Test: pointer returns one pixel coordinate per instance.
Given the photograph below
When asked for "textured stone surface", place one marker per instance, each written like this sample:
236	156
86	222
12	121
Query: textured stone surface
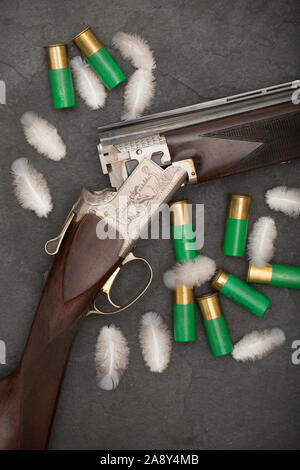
204	49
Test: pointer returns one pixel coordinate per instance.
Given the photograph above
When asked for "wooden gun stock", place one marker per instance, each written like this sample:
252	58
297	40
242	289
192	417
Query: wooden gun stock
29	395
240	142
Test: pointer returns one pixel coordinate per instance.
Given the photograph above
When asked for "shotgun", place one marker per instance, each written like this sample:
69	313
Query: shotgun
146	160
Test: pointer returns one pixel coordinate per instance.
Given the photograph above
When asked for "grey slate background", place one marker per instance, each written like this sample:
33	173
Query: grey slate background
204	49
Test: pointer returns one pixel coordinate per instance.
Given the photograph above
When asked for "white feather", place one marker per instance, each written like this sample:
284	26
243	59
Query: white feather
31	188
170	279
111	357
261	241
88	84
283	199
155	341
190	273
135	49
43	136
258	344
138	94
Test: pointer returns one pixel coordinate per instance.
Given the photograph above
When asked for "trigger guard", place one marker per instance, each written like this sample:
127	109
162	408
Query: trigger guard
129	258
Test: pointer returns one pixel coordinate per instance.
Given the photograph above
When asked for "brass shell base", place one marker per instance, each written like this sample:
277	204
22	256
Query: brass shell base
239	207
260	275
210	306
220	279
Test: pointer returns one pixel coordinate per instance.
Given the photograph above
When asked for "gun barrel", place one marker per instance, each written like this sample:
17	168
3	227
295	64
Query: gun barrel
161	123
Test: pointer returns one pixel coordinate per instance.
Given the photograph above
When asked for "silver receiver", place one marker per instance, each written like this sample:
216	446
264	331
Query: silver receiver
119	160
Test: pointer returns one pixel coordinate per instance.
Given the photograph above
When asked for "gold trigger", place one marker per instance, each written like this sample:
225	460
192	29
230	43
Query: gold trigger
108	285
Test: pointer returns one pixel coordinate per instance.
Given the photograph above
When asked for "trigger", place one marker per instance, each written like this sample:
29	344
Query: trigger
108	285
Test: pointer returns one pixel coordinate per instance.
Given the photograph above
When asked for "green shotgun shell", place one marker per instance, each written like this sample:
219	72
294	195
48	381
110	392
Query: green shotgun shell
184	315
184	311
241	293
236	225
215	325
275	275
99	58
60	77
182	231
